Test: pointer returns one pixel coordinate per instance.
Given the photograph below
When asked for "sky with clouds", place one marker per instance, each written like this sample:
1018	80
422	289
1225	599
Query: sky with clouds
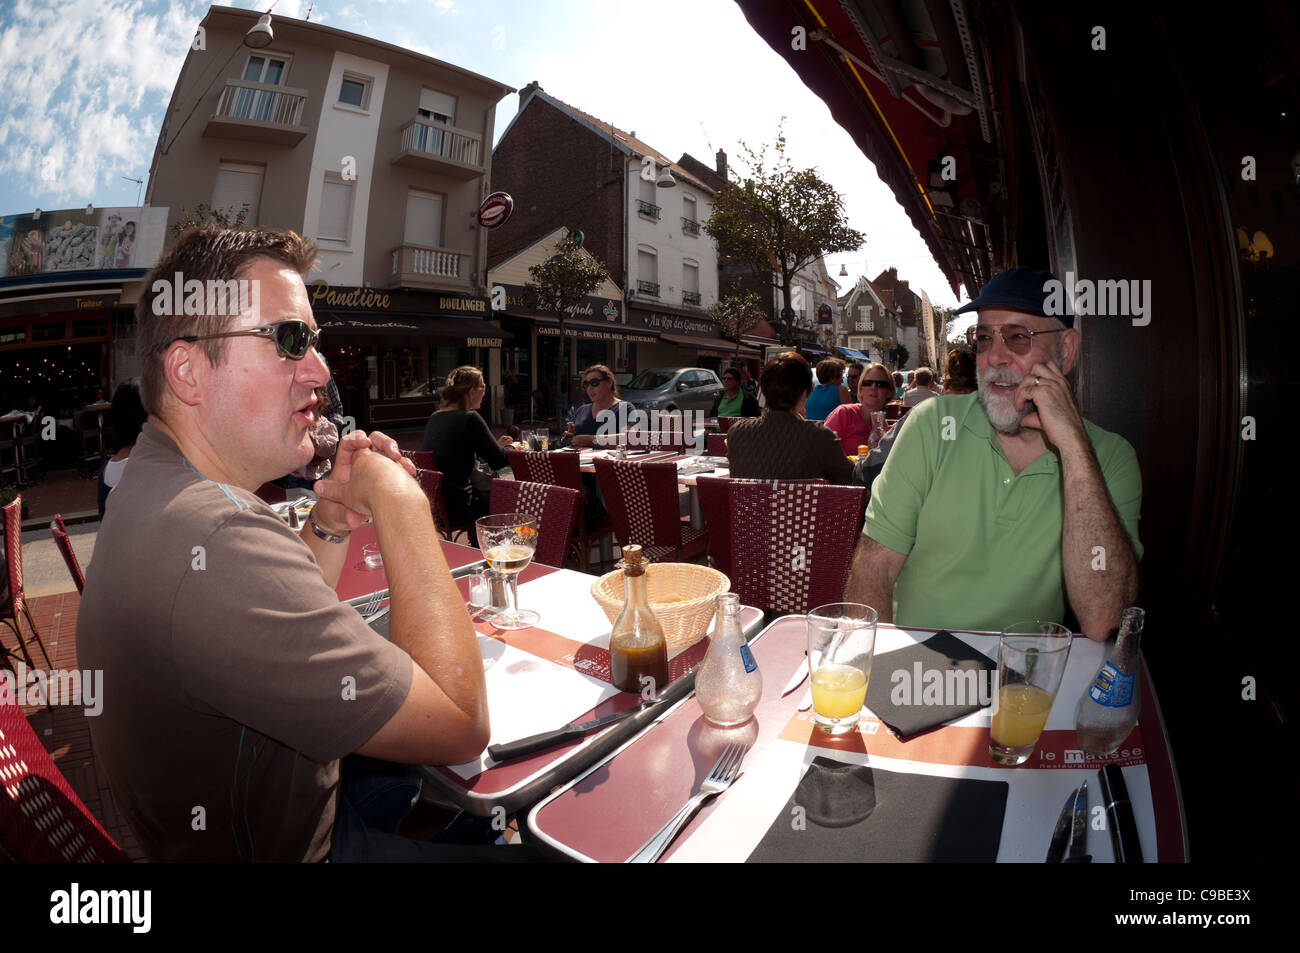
89	81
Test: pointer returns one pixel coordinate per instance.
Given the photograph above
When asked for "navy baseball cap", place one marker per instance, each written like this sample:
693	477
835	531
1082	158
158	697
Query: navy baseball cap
1024	289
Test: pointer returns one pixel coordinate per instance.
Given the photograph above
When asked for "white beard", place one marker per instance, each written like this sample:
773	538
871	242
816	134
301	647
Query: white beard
1001	410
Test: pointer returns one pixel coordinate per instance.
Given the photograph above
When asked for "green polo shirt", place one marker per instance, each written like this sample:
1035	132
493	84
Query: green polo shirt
983	544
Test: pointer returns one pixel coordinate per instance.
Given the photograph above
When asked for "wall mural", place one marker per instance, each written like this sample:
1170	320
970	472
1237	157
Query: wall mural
72	240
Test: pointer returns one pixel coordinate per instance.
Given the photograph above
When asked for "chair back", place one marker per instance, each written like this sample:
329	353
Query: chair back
60	534
13	517
715	504
41	819
556	510
431	483
270	493
423	459
642	501
717	445
553	467
724	423
803	536
893	410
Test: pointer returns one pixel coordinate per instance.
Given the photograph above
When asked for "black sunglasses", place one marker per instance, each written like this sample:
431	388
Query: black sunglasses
292	338
881	384
594	382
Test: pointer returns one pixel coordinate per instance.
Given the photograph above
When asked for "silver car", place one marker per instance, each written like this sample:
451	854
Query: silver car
673	388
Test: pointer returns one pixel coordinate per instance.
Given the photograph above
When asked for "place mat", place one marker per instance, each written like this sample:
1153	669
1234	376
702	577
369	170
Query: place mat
856	813
910	689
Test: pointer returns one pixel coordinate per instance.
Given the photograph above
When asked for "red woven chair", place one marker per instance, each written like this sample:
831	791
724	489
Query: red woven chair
560	468
431	483
270	493
423	459
715	503
642	501
717	445
555	507
60	534
800	539
41	819
724	423
15	602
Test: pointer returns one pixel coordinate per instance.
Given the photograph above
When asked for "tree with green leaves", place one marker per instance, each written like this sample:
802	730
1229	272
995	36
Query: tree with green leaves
901	354
779	221
736	314
560	283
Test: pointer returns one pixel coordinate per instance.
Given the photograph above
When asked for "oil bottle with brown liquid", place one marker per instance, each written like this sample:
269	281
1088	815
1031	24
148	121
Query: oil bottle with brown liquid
638	651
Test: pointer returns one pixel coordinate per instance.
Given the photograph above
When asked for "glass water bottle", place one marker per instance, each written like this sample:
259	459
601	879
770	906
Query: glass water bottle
728	684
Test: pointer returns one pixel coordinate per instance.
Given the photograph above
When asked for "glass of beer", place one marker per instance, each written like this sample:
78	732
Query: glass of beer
1031	661
508	541
841	645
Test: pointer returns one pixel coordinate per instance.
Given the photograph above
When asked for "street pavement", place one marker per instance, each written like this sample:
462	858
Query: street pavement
44	571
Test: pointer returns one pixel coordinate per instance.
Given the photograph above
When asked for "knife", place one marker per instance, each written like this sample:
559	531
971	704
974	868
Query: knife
1071	834
1119	814
797	678
549	739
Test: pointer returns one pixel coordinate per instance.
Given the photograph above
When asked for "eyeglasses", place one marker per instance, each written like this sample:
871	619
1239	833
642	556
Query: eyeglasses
594	382
292	338
883	385
1017	338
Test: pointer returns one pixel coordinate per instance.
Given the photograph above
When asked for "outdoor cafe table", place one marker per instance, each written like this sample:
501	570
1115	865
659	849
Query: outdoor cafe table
358	579
607	813
685	475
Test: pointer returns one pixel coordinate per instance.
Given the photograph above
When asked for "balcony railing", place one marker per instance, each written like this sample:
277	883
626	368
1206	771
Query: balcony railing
647	208
440	148
690	226
426	265
261	111
690	297
648	287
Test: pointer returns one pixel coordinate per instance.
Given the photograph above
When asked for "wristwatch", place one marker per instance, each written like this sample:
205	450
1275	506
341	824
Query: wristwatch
321	534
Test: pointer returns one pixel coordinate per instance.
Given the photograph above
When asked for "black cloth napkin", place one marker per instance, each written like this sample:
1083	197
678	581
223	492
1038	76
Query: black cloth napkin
942	652
855	813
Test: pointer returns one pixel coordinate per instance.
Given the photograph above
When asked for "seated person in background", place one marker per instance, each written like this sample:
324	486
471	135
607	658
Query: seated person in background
128	417
852	377
606	414
852	422
959	372
922	391
242	680
898	384
459	437
782	445
991	507
734	402
829	392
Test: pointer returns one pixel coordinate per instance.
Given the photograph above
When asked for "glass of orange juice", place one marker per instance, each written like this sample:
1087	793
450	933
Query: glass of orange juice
841	645
1031	661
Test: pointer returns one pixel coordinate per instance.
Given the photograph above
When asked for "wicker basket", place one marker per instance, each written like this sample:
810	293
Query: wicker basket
685	620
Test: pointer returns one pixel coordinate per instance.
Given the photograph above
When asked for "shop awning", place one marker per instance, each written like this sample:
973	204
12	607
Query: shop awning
407	330
589	331
708	344
853	355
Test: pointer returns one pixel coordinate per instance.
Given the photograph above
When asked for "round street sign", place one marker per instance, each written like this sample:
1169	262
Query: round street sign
495	210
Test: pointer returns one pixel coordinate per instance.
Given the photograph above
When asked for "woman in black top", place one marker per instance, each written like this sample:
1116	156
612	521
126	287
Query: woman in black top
458	436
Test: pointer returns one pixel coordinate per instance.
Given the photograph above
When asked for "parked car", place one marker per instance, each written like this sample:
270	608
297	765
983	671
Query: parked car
673	388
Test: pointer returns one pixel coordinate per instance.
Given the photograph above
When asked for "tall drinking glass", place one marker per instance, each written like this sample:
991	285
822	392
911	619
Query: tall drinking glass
841	645
508	541
1031	661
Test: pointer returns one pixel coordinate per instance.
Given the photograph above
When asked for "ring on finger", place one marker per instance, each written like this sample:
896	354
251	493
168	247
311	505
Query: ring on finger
1038	381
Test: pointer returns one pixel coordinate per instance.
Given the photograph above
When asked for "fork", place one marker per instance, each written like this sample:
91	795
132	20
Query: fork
371	605
724	772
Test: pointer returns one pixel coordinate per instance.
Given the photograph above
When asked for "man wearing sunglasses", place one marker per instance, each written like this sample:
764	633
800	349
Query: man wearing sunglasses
236	680
1005	504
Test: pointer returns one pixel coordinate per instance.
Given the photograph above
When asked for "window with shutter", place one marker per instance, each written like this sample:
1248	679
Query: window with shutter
335	210
238	185
423	219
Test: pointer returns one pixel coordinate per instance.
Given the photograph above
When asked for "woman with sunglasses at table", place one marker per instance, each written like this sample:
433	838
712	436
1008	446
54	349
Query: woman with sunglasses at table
605	409
852	422
458	437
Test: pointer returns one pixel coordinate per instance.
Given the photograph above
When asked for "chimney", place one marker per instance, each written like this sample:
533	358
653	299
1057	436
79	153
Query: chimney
533	87
720	163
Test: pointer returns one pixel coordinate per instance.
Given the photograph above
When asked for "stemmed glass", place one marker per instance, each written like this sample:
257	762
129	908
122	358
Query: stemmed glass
507	541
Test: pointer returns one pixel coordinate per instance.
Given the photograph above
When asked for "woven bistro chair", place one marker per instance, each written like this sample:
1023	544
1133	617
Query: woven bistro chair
715	504
423	459
61	540
717	445
16	602
562	468
799	542
644	508
431	483
41	819
555	508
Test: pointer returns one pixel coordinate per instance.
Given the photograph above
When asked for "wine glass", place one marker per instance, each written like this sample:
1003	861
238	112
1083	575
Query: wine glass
508	541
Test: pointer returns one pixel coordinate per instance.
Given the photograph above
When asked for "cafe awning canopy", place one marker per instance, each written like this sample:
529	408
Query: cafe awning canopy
407	330
707	344
907	80
854	355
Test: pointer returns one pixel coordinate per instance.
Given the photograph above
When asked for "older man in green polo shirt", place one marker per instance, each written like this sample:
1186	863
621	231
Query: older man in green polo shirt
999	506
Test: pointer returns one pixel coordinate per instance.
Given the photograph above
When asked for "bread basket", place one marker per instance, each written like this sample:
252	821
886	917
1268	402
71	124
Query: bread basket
682	597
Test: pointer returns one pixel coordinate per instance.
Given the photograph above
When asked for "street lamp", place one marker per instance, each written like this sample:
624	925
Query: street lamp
260	36
665	180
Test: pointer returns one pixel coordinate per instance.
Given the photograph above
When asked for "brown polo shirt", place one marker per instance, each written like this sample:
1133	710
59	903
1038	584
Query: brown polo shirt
233	678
